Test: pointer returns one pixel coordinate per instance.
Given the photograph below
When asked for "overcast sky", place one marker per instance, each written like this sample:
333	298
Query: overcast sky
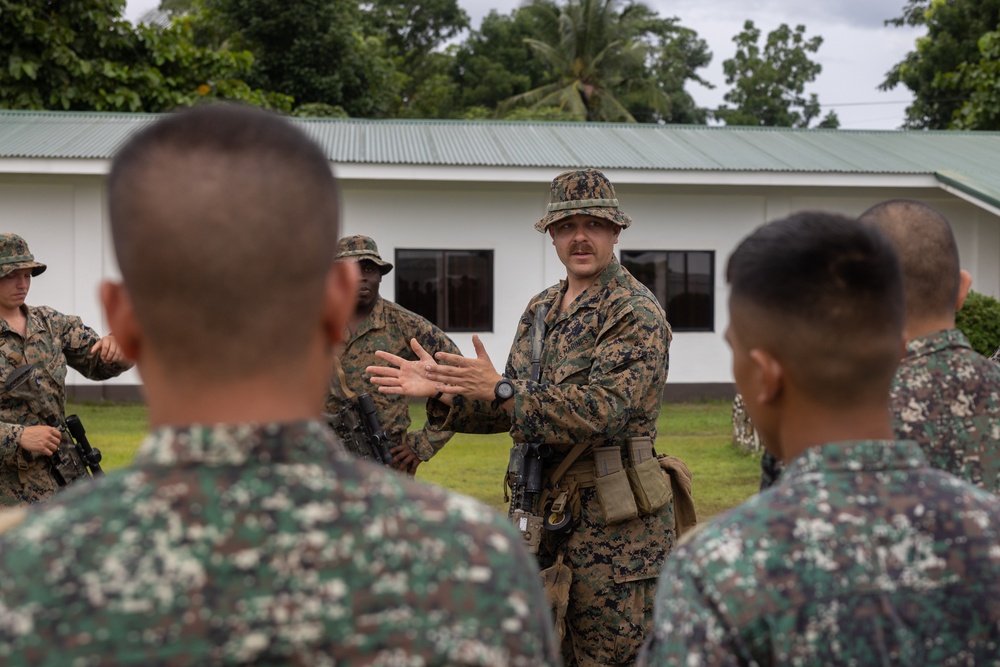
857	49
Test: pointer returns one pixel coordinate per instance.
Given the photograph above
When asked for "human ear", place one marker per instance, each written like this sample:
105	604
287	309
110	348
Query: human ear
964	285
121	318
769	375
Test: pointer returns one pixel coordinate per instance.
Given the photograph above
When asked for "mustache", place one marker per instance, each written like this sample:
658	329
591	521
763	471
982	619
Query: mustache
581	247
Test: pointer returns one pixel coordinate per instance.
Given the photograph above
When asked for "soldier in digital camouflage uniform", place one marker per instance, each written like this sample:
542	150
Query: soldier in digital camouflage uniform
603	369
946	396
244	534
862	553
48	340
379	324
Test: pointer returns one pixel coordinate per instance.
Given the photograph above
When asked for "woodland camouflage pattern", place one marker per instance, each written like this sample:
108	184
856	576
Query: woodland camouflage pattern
603	369
861	554
390	327
582	192
946	396
267	544
53	341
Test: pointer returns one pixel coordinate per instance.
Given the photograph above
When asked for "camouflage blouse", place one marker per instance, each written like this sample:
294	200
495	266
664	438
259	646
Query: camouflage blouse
268	545
603	367
860	554
946	396
390	327
53	341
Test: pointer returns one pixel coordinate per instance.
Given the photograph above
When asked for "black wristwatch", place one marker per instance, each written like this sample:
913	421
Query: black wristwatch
503	392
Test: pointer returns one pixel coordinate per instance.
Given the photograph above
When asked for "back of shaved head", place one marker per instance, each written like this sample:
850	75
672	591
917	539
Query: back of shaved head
225	223
927	254
823	293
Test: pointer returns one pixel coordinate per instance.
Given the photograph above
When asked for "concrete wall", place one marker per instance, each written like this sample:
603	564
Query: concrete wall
63	219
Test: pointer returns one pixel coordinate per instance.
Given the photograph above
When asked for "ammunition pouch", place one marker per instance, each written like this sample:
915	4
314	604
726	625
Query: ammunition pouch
649	483
613	489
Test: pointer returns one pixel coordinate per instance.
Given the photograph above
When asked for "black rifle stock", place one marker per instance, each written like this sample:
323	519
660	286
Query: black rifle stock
356	423
74	456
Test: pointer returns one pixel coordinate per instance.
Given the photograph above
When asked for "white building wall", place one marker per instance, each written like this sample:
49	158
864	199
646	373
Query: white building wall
63	218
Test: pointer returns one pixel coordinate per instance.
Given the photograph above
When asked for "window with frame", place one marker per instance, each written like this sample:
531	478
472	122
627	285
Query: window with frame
683	282
451	288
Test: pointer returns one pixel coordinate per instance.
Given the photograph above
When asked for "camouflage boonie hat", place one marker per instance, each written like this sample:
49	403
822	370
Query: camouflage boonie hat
359	248
14	255
583	192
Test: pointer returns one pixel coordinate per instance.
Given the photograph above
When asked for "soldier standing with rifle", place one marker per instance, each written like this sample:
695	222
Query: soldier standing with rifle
379	324
37	457
580	396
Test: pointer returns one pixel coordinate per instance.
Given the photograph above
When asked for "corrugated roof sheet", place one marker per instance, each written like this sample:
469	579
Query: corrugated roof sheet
968	160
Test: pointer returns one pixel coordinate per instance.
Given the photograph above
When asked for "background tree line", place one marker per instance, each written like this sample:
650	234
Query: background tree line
569	60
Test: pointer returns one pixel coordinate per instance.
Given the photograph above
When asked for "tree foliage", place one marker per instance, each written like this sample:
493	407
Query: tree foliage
769	82
979	319
604	63
952	71
82	55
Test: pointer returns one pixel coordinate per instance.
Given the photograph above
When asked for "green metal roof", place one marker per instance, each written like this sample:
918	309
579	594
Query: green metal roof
967	161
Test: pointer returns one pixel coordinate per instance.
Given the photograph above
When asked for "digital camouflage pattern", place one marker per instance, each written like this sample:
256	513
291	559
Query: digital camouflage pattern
996	356
361	247
946	396
267	545
582	192
53	341
862	554
390	327
603	368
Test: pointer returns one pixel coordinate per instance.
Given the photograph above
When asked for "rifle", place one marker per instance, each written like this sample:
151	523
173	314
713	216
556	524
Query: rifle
75	456
524	471
358	427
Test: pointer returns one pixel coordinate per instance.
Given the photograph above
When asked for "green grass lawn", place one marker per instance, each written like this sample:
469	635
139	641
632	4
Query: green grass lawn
698	433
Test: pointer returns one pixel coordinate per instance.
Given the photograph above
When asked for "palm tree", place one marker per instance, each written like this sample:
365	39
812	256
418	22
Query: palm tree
595	54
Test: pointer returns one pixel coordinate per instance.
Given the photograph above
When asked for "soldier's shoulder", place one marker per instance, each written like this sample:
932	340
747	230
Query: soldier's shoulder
396	314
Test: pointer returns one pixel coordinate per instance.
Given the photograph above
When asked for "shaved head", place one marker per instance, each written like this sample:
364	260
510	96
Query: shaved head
927	254
225	223
823	294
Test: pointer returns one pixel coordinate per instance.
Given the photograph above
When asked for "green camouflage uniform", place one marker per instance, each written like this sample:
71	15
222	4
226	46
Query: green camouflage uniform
862	554
770	470
390	327
996	356
53	341
946	396
267	545
602	374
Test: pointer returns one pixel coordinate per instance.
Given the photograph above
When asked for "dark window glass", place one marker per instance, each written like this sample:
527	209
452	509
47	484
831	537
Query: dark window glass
682	280
451	288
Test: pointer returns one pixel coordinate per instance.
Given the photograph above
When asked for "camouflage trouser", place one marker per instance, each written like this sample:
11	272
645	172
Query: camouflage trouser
38	482
744	435
615	569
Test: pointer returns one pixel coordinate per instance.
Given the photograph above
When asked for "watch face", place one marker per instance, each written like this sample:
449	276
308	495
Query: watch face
504	390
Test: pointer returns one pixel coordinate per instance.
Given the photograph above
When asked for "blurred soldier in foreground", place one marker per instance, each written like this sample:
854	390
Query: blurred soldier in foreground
378	324
48	341
580	396
862	553
243	533
946	396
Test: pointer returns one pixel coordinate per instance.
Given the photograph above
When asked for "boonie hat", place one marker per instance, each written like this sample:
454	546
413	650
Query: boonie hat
14	255
582	192
359	248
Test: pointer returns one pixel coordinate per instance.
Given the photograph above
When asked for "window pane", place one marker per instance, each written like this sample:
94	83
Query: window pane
417	278
683	282
451	288
470	290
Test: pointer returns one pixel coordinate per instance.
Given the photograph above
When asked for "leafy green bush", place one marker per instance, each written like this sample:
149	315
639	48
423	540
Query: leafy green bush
979	319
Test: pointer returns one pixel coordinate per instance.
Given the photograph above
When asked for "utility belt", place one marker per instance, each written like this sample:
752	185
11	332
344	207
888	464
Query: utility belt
629	484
